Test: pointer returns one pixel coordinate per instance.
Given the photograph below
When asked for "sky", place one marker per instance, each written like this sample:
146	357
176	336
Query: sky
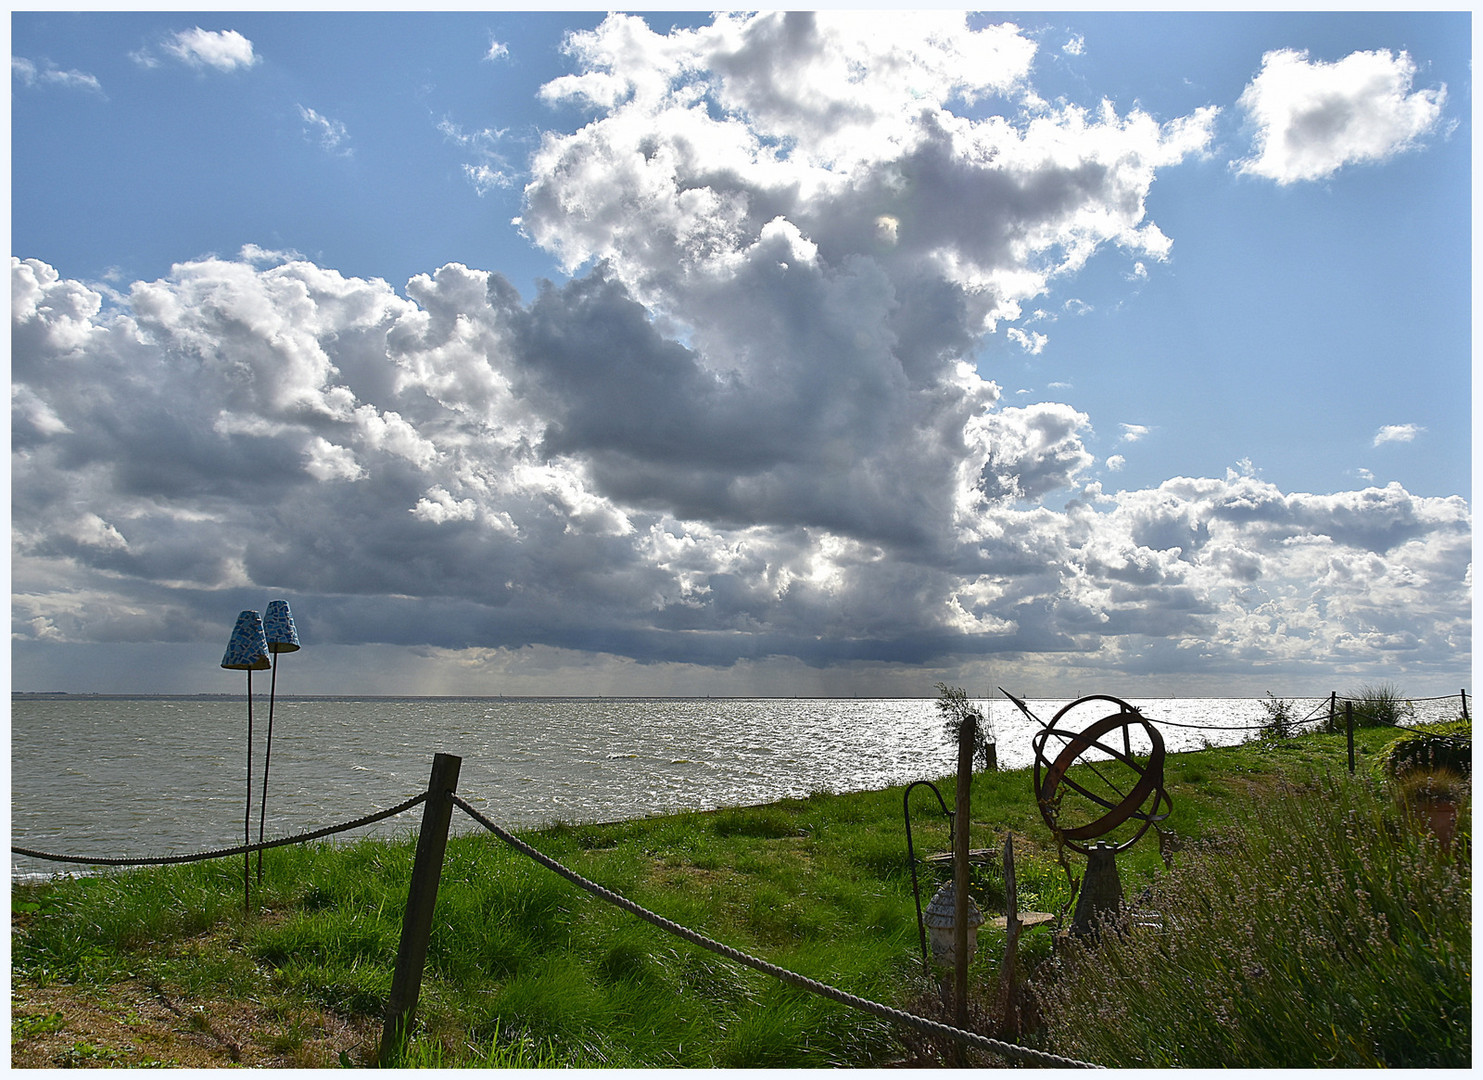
833	353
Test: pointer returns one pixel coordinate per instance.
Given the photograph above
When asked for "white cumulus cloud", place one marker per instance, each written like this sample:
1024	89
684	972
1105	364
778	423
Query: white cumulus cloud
1133	432
224	50
751	425
1397	433
1312	118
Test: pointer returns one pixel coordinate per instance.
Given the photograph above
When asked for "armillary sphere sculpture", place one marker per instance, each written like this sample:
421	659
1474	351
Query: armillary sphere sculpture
1125	794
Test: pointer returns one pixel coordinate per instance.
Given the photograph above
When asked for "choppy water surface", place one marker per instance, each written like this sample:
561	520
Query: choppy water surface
144	777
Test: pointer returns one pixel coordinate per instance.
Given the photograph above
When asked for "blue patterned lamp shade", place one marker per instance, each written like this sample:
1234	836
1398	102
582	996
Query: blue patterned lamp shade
248	649
282	635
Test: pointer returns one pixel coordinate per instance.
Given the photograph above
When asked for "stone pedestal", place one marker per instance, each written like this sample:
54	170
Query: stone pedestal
1101	891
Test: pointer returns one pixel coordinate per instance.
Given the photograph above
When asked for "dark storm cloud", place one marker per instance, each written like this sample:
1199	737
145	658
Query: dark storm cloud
750	426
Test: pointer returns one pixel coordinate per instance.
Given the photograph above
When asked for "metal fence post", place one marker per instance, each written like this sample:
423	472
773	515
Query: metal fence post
422	895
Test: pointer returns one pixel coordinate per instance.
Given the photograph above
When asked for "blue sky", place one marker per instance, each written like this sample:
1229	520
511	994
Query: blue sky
869	357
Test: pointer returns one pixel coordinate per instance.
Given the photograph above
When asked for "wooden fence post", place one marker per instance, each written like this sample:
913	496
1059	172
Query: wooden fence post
1465	704
1349	727
422	895
960	876
1009	1005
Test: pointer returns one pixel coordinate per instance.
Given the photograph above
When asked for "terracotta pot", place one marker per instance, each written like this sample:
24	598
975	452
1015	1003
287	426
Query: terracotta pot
1439	816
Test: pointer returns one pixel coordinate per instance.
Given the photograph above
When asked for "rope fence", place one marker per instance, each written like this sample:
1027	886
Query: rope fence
223	853
440	798
873	1008
793	978
1314	714
1319	712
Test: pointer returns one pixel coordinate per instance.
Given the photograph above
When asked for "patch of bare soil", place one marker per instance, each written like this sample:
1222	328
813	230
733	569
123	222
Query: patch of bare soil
132	1026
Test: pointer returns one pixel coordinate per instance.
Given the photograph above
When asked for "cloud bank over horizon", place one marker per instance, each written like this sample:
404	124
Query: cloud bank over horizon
756	424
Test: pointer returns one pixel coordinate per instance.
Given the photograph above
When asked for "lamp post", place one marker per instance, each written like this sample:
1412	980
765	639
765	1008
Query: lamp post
282	636
247	650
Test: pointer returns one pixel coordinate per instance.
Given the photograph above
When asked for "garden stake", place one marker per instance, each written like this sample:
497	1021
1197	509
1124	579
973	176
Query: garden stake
282	636
247	650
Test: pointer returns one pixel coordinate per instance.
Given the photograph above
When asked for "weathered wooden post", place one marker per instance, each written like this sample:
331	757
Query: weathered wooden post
1008	976
1333	710
960	872
1465	704
422	896
1349	728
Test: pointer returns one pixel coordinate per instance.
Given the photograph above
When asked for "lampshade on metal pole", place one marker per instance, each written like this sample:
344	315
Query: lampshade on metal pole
247	651
282	636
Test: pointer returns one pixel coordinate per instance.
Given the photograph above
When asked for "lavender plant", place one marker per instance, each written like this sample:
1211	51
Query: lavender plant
1333	932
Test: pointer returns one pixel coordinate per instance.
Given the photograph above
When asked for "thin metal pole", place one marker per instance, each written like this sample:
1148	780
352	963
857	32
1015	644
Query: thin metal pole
267	761
247	816
911	858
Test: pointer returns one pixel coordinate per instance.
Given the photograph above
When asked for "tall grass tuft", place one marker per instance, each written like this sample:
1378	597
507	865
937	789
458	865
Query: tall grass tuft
1333	932
1380	705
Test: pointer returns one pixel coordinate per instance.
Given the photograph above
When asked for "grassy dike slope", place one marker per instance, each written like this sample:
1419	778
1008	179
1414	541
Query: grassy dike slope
160	967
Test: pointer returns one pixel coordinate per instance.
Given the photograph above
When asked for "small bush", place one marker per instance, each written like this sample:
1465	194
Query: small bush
1446	746
1280	721
956	710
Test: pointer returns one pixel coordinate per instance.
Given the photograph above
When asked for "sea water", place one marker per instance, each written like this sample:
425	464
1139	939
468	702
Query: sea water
142	777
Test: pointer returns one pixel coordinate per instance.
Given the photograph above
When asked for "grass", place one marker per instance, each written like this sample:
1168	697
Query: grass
1380	705
524	970
1330	933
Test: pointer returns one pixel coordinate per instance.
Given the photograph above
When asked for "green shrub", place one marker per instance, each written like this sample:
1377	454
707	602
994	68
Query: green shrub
1446	746
1333	933
1281	724
956	710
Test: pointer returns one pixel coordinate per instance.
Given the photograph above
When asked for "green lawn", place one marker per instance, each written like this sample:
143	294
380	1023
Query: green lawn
526	969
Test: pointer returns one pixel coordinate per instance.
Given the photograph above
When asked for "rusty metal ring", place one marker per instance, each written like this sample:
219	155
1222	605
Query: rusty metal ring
1050	776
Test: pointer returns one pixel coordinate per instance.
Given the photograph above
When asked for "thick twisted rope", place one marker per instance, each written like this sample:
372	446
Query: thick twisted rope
875	1008
222	853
